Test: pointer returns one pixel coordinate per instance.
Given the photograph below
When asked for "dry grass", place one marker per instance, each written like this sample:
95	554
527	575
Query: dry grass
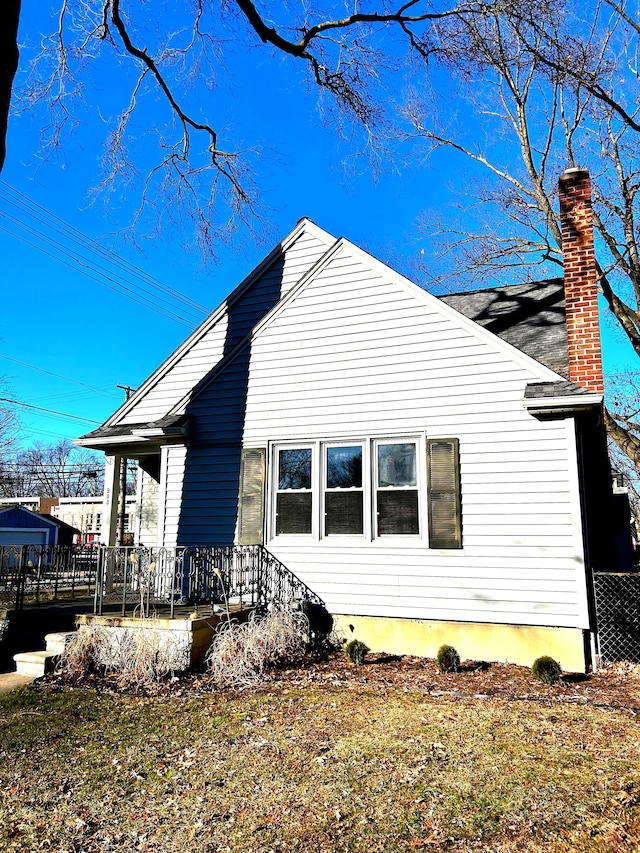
241	652
138	659
316	767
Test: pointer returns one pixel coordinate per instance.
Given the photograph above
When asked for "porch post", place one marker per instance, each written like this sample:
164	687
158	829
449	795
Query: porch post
108	529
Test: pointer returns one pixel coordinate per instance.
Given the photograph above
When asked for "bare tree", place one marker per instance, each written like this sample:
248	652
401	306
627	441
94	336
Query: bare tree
537	89
9	16
57	470
201	181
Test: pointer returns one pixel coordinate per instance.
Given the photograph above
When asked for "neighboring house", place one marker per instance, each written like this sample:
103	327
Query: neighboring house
35	503
85	513
22	526
433	468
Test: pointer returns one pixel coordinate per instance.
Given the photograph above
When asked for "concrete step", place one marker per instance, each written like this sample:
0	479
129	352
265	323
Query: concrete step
35	664
57	642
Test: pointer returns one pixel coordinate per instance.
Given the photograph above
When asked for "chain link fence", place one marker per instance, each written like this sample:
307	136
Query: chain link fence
618	609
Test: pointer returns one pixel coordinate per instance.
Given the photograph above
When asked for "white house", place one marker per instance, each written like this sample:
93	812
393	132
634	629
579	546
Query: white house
428	466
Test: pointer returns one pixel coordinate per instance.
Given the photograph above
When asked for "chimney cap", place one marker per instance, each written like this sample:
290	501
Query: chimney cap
572	171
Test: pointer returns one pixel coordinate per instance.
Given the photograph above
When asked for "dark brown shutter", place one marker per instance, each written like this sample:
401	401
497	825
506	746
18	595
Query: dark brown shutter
251	514
443	467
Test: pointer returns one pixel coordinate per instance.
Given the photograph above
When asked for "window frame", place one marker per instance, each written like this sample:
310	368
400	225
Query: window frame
416	441
276	490
362	489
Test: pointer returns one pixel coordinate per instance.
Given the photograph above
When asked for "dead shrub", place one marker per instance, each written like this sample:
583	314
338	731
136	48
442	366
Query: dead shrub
241	652
134	658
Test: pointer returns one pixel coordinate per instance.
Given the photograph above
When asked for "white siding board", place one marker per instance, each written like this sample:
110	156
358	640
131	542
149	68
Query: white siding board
207	350
354	356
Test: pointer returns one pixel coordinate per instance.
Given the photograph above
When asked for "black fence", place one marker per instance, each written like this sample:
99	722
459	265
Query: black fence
618	610
35	572
140	581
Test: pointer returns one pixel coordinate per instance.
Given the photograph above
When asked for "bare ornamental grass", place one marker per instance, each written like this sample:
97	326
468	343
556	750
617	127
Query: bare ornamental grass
136	658
241	653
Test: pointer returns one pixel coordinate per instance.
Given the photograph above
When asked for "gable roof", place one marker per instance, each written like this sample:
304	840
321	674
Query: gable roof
529	316
291	258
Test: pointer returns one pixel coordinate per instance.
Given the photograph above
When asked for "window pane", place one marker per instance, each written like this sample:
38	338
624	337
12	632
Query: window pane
396	465
398	513
295	469
343	513
293	512
344	467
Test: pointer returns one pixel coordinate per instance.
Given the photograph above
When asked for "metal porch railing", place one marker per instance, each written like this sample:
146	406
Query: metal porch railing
139	580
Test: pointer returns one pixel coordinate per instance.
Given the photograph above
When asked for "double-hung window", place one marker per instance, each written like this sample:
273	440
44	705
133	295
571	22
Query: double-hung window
343	495
370	488
397	489
294	491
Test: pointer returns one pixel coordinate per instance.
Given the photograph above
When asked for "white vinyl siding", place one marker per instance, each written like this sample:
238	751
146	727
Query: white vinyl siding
355	355
211	342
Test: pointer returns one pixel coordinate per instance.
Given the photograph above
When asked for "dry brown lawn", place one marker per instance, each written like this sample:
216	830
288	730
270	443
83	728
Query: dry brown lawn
389	756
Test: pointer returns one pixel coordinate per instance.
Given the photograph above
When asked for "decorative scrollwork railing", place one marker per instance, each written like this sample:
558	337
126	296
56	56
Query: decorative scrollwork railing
140	580
31	572
143	579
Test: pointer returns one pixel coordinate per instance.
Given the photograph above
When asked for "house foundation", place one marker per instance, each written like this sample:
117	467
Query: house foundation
519	644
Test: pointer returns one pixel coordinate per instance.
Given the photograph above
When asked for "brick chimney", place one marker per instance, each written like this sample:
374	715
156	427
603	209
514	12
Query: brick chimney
580	280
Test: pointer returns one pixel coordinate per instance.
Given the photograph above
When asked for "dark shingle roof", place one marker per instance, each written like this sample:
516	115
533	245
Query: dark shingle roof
166	423
529	316
546	390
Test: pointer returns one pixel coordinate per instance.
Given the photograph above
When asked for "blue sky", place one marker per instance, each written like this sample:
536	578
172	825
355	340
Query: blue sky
56	319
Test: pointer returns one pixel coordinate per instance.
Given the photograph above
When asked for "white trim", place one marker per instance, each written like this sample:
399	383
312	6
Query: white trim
369	537
162	494
560	405
576	524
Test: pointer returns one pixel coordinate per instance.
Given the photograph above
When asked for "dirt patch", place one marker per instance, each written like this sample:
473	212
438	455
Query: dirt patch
616	686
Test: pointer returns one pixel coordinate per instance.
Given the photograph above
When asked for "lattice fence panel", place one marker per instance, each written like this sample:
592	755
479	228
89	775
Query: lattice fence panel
618	608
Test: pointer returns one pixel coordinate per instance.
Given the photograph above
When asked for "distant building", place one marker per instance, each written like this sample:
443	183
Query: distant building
85	513
34	503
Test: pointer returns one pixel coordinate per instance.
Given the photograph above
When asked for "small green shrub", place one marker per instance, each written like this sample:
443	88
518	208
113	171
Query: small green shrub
546	669
356	651
448	659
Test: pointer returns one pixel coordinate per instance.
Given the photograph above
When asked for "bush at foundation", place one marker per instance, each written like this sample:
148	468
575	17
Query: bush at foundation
448	659
546	669
356	651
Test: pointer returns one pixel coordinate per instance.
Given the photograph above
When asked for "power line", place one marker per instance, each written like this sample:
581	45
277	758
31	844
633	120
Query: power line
49	411
57	375
146	293
45	216
158	310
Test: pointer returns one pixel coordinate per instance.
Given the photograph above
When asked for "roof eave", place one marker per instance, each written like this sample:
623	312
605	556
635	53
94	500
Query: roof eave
568	405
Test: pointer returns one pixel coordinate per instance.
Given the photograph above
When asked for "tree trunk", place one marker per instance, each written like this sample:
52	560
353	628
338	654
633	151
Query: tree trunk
626	441
9	17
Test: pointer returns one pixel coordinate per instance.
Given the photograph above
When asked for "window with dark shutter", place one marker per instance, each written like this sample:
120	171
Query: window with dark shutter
250	523
443	471
397	510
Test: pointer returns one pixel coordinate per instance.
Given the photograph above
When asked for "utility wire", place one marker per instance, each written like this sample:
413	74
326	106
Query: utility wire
58	376
46	217
158	309
49	411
